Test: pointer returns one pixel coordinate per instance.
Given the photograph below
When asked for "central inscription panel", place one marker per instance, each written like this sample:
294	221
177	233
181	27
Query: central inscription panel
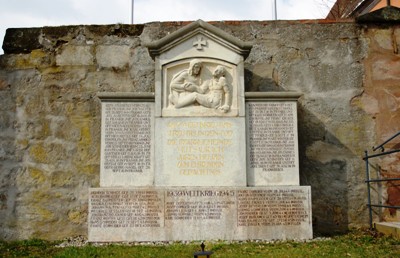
200	152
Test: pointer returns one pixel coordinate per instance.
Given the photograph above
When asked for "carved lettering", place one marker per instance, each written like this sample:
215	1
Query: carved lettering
198	204
123	209
157	209
200	146
272	208
272	136
127	140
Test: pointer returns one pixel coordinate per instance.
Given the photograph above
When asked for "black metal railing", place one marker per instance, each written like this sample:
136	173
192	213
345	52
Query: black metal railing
378	180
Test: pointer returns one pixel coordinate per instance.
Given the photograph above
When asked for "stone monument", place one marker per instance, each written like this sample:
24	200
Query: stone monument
200	159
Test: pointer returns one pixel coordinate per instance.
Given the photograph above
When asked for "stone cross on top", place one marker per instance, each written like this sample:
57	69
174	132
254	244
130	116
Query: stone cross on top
199	43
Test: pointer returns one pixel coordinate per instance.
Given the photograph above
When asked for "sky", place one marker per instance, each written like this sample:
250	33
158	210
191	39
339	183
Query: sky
39	13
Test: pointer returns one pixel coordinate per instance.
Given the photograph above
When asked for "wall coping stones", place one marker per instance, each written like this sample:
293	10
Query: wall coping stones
24	40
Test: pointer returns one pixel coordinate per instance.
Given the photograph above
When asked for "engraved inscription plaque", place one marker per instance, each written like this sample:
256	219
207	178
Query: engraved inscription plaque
126	209
198	204
273	207
127	143
272	156
192	213
200	152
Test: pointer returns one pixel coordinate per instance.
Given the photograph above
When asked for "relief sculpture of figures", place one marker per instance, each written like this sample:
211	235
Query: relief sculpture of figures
213	93
185	82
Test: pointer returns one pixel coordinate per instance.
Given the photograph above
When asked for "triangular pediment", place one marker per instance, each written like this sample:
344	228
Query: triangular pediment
198	30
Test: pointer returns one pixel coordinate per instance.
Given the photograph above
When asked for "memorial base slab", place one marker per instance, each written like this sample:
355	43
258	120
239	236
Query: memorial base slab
199	213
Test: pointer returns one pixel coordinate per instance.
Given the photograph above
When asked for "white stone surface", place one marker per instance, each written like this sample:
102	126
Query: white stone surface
208	151
214	51
204	77
206	213
215	47
272	143
127	144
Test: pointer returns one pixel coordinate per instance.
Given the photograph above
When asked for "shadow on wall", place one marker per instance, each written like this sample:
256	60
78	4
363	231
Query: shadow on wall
324	165
326	173
256	83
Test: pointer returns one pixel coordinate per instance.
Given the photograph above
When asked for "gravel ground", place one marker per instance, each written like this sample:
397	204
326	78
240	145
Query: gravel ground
80	241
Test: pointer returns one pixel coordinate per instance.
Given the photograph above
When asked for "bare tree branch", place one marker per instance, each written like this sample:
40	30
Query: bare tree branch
339	9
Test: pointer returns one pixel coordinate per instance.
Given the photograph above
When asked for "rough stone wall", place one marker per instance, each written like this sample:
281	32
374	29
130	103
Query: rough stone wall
50	116
381	101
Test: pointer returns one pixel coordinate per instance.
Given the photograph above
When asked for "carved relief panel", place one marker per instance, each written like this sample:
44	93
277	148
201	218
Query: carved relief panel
199	87
199	72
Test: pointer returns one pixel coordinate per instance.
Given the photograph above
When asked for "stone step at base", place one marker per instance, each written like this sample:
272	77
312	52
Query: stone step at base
388	228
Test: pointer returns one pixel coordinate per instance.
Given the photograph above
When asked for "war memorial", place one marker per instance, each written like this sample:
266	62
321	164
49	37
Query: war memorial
169	131
202	160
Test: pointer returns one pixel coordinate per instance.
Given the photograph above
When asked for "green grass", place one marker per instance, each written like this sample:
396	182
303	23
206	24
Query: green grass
354	244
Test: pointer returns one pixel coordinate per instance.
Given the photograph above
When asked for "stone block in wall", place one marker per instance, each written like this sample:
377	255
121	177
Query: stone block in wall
383	39
386	68
75	55
17	40
113	56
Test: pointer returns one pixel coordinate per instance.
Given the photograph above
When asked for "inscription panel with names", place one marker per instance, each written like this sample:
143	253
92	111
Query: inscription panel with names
126	209
199	213
273	207
127	144
272	142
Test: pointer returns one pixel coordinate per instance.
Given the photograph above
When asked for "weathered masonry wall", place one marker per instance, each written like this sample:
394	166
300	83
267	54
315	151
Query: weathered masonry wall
381	101
50	114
